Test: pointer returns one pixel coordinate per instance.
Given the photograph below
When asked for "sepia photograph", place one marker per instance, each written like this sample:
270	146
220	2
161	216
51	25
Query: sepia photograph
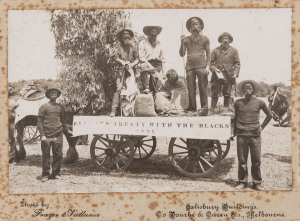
149	100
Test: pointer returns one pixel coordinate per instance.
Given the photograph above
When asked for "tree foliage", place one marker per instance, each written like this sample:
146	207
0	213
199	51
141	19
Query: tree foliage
82	88
84	43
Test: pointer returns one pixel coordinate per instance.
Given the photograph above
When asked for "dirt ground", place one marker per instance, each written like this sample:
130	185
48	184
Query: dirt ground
155	174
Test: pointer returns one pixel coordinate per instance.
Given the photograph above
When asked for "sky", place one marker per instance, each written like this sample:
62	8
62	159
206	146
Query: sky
261	36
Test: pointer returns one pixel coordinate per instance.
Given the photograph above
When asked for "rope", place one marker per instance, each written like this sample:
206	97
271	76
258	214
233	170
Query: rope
184	73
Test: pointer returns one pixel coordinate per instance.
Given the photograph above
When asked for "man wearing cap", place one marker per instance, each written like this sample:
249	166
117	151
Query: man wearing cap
127	57
152	59
225	63
198	60
248	131
51	125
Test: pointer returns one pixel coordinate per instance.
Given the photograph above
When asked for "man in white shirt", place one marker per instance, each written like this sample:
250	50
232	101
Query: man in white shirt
152	59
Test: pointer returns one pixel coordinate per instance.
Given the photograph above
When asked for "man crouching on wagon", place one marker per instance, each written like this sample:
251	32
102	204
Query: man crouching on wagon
248	132
51	125
127	57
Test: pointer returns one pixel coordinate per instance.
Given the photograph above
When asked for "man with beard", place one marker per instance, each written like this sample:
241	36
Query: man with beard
127	57
152	60
225	63
198	60
248	130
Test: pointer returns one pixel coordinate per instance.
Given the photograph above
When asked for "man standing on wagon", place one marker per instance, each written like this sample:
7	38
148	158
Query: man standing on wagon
225	63
126	55
248	131
152	59
51	125
198	61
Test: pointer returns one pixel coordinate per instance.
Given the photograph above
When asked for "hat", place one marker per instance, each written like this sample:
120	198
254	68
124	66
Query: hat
225	34
119	34
52	89
146	29
254	84
188	23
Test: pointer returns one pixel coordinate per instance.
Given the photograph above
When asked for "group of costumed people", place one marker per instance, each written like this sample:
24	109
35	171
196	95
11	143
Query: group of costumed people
146	63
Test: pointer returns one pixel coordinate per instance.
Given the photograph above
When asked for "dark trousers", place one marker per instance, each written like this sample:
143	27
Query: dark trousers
116	98
202	84
57	144
147	79
218	86
244	144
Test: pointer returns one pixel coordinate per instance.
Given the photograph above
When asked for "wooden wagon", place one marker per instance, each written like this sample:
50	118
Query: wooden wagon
196	149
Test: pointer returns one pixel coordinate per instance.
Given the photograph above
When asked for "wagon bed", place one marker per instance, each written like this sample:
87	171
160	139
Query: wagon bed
192	157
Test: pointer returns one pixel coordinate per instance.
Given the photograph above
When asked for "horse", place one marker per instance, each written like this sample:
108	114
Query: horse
280	105
19	118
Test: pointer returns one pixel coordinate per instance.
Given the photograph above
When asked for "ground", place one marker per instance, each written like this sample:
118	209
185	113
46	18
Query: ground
155	174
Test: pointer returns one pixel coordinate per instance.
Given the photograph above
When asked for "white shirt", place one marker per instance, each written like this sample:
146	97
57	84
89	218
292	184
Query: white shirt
147	52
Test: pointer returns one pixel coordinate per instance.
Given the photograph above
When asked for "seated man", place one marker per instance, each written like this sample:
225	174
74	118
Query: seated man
170	91
127	57
152	60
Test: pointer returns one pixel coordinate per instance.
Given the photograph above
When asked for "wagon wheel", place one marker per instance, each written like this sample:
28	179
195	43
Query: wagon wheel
144	146
195	158
31	133
112	152
225	148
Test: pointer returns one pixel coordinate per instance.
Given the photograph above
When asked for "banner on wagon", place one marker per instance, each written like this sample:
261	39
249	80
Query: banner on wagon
208	127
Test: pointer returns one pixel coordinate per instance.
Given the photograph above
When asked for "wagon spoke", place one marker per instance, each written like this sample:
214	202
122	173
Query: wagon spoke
146	145
194	167
100	155
182	159
103	138
147	140
100	139
140	152
216	153
183	140
182	147
103	161
208	163
186	165
100	148
108	140
110	161
144	149
180	153
201	167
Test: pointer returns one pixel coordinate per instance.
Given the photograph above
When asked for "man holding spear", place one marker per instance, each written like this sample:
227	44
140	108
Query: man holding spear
197	47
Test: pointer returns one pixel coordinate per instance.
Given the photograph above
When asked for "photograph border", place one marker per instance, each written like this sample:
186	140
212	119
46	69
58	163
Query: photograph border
145	206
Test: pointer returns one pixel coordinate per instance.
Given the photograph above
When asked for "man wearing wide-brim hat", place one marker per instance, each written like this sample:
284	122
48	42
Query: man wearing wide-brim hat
127	58
248	131
225	68
152	60
197	47
51	125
